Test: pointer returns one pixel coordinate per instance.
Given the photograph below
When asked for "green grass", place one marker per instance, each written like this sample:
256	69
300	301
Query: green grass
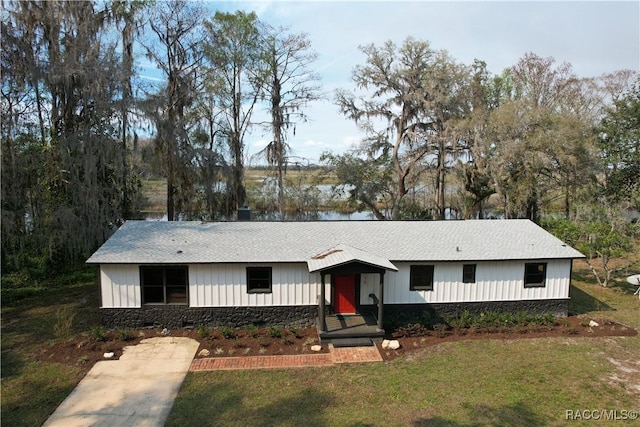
524	382
32	390
478	382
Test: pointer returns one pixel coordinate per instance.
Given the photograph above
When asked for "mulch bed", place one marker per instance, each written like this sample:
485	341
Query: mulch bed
568	327
84	350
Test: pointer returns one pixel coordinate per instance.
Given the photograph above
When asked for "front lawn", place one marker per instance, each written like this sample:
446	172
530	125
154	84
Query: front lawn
476	382
473	382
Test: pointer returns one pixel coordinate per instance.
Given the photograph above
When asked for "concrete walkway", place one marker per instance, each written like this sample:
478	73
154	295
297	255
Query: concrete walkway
136	390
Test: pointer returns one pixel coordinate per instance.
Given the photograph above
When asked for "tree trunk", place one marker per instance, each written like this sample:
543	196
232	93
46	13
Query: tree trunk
440	181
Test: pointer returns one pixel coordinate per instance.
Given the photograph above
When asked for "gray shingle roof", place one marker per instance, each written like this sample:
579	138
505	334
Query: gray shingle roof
151	242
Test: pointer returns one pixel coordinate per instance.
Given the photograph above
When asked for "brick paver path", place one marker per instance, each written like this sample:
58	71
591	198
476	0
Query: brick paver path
355	354
335	356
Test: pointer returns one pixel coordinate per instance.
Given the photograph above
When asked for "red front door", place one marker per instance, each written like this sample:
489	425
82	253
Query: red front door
345	294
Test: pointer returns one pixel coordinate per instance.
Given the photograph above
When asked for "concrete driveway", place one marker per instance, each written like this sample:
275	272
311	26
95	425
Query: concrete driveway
136	390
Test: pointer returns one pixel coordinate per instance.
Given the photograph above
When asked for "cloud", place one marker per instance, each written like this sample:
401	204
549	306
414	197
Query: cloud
313	143
153	79
351	141
260	144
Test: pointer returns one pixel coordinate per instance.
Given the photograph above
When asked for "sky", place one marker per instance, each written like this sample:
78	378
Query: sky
595	37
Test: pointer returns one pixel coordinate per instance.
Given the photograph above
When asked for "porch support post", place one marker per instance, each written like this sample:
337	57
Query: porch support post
321	319
381	301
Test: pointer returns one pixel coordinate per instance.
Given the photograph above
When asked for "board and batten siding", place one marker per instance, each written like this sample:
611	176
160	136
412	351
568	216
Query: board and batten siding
218	285
225	285
120	286
495	281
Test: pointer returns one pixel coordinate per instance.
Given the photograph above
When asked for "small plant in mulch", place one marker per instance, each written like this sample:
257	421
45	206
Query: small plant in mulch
275	332
252	330
310	341
239	344
263	342
287	341
441	329
203	331
99	333
227	332
458	327
124	334
218	351
570	330
411	330
295	332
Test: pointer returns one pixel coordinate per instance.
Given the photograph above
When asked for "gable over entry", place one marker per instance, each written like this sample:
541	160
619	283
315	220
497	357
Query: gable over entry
346	260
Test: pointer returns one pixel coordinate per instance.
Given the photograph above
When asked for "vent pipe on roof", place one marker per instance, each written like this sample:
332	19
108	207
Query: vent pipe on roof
244	213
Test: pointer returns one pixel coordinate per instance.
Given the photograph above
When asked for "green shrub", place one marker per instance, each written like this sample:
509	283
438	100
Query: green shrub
491	320
252	330
275	332
465	320
124	334
227	332
295	332
99	333
548	319
203	331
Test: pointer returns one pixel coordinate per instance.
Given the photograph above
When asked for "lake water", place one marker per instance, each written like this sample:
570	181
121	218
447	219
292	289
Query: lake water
321	216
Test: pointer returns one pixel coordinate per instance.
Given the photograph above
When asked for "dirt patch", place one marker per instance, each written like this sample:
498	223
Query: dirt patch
84	350
627	374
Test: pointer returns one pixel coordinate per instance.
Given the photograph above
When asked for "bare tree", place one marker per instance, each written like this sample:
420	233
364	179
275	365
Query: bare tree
290	86
177	52
236	66
128	16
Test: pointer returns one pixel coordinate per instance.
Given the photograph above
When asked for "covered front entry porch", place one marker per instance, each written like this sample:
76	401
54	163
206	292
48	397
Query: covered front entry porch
354	326
344	264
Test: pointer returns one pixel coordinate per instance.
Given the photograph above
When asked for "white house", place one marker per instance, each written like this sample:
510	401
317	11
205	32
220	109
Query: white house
292	273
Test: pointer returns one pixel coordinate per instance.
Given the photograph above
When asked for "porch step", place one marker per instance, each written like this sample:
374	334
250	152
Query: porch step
352	342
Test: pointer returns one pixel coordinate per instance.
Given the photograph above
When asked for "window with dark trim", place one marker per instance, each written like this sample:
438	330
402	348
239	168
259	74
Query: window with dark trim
535	274
259	280
421	278
164	285
468	273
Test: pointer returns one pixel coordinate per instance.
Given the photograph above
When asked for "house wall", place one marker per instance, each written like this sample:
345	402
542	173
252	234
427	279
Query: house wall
120	286
495	281
218	285
225	285
218	295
